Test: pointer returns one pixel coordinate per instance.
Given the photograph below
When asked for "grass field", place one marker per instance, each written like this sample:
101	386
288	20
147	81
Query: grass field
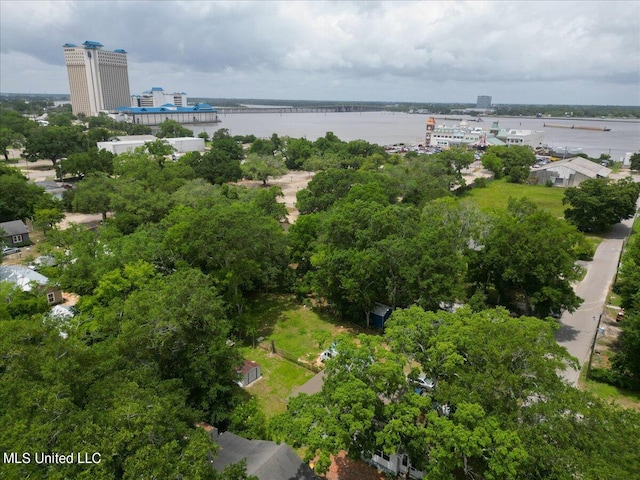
611	394
300	331
280	378
497	193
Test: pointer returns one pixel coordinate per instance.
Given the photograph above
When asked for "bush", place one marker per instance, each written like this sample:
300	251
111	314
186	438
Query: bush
612	377
481	182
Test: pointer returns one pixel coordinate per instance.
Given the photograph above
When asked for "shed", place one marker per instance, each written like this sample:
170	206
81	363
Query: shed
249	372
15	233
379	315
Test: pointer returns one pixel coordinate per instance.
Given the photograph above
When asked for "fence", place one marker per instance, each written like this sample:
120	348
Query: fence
271	347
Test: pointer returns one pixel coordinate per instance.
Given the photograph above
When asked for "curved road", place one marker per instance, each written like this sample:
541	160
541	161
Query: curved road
578	329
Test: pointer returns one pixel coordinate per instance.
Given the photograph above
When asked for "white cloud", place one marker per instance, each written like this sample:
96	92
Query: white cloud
341	50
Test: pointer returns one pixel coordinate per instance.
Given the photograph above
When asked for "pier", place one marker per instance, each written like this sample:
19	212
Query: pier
320	109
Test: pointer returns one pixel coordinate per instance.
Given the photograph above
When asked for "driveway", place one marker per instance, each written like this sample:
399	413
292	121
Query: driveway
578	329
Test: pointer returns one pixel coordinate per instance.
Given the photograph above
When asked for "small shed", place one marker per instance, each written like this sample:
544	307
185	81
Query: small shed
379	315
15	233
249	372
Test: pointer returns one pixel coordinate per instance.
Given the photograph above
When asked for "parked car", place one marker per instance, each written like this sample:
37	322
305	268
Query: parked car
329	353
9	250
422	384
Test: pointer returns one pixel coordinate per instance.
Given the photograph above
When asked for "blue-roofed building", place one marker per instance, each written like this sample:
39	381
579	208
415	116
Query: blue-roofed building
199	113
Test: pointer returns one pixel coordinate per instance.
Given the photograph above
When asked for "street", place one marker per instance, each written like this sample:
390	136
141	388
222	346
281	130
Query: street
578	329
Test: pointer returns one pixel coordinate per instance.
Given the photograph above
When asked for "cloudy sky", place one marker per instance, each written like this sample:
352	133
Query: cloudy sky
562	52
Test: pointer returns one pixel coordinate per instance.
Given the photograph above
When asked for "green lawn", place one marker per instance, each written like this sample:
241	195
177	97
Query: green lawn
299	330
497	193
611	394
294	328
280	378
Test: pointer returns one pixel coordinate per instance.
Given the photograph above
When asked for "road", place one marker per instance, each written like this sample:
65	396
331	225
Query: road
578	329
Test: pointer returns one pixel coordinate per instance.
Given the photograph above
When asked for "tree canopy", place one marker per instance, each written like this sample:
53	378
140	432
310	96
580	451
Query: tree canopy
598	203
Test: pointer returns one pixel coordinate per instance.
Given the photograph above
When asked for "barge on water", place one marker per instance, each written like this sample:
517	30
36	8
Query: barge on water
577	127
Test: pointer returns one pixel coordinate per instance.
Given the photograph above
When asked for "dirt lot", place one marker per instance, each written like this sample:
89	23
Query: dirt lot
290	184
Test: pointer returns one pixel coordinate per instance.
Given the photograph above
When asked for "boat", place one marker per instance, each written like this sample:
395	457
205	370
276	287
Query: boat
578	127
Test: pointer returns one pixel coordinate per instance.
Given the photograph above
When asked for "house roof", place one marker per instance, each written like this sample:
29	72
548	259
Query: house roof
381	309
15	227
266	460
21	276
580	165
247	367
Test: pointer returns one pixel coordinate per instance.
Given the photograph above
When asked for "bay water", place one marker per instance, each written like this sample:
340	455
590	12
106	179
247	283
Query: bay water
388	128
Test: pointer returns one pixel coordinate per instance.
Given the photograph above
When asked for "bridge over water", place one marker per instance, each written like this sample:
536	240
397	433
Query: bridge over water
319	109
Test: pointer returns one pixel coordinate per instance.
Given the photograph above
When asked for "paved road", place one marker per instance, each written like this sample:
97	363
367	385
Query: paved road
579	328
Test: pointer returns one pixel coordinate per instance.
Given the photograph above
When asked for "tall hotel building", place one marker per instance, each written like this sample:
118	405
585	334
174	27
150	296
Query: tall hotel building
98	79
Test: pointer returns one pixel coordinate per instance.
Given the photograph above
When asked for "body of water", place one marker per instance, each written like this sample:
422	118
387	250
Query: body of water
387	128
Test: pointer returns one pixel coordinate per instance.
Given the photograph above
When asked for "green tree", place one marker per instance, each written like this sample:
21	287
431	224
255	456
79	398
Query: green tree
9	138
90	161
54	143
527	261
47	218
598	203
513	161
215	166
260	167
172	129
22	195
93	195
296	151
635	161
234	242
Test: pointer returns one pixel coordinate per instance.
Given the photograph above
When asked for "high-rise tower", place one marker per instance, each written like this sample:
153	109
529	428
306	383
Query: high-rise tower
98	79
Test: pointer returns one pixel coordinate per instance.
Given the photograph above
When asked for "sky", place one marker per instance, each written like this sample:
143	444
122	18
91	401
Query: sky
547	52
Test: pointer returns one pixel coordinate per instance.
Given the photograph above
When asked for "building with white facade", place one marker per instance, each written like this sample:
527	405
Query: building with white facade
199	113
98	78
127	144
157	97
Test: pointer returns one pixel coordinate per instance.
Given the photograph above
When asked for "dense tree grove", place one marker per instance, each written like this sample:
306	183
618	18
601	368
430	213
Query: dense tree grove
527	261
626	361
497	410
512	162
152	348
598	203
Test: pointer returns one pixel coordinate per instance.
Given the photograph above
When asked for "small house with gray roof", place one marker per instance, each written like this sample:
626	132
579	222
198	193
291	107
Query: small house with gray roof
266	460
14	233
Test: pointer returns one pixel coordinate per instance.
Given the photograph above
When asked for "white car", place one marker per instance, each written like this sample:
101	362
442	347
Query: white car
423	384
10	250
329	353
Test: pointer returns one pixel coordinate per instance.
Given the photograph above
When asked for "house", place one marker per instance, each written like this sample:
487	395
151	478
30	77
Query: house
569	173
398	464
379	315
15	233
266	460
249	372
26	279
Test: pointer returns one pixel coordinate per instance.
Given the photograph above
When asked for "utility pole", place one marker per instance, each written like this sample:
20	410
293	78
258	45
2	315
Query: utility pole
593	346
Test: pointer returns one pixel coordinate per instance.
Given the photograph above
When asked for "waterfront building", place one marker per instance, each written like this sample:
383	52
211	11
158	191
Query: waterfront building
199	113
98	78
157	97
463	134
127	144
